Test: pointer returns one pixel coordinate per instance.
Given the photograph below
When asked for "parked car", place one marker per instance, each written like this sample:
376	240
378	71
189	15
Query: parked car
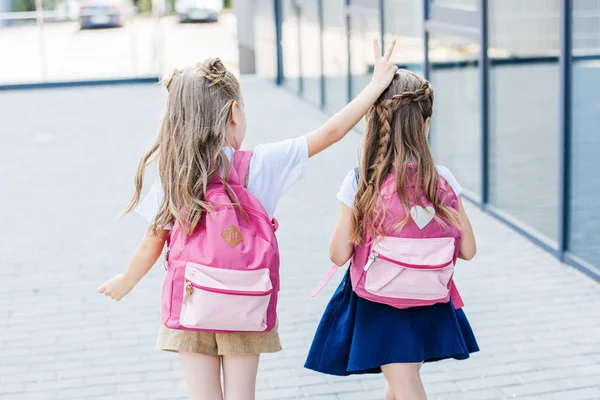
104	13
198	10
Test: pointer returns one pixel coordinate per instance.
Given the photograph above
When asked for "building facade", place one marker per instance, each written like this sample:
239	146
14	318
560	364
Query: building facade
517	109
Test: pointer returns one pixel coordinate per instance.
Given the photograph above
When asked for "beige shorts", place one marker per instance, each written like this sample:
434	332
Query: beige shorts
218	344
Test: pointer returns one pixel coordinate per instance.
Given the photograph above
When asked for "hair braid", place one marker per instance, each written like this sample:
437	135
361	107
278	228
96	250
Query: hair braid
395	142
418	96
374	173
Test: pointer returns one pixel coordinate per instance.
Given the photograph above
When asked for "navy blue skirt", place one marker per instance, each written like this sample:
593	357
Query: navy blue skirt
357	336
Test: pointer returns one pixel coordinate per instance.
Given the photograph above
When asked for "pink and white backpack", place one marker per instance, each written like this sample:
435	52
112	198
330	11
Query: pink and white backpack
225	276
413	266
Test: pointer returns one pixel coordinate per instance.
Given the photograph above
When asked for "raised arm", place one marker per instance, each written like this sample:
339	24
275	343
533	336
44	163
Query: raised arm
341	123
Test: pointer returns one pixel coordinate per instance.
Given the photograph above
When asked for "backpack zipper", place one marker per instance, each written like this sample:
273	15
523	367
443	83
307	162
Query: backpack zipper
188	292
371	260
402	264
248	209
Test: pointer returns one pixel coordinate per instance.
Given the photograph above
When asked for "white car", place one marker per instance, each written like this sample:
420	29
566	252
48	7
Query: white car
198	10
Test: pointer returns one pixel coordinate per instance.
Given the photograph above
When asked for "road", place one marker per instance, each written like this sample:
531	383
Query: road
73	54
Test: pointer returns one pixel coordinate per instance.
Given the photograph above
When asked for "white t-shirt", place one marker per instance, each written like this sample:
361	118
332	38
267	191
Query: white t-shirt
274	168
349	185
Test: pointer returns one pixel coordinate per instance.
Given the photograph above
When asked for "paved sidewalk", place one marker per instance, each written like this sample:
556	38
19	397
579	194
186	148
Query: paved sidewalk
67	173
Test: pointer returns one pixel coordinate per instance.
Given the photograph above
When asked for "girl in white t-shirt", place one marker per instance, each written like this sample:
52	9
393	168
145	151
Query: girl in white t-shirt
203	126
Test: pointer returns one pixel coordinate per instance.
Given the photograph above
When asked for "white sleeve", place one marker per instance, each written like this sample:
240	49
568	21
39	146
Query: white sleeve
447	175
148	207
348	189
286	161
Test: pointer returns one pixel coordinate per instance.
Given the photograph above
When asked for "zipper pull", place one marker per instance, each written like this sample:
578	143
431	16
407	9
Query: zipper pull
371	260
188	292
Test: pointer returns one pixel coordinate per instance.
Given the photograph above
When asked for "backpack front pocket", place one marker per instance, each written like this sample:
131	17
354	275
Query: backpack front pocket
417	269
225	300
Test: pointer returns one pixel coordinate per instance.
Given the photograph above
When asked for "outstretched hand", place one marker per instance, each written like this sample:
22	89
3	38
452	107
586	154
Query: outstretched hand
117	287
384	70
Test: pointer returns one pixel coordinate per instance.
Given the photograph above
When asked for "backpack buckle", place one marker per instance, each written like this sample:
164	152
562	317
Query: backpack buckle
274	224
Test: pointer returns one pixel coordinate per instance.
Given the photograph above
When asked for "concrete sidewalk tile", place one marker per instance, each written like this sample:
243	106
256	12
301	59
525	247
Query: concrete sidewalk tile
332	388
29	396
577	394
442	387
482	394
113	379
148	386
55	384
12	388
300	381
531	389
85	392
27	377
368	395
128	396
579	382
488	382
277	394
589	370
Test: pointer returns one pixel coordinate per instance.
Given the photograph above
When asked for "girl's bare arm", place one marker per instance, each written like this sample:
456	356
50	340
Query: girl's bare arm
341	123
468	246
144	257
341	248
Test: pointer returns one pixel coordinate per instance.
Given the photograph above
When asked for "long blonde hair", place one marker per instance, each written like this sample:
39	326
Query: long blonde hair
189	147
395	140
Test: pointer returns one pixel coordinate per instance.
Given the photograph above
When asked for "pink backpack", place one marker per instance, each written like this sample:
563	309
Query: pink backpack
411	267
225	276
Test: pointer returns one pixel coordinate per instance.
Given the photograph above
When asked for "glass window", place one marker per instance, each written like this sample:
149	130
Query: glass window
524	132
364	27
290	32
457	3
265	39
335	53
455	126
584	221
310	50
403	21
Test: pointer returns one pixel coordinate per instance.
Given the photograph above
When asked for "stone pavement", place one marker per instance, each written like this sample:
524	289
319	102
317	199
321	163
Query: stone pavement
66	161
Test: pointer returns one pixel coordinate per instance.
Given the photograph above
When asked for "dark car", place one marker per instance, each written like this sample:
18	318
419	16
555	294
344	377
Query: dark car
104	13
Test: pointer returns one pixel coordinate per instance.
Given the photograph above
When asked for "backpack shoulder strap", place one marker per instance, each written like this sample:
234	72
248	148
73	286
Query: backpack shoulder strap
241	165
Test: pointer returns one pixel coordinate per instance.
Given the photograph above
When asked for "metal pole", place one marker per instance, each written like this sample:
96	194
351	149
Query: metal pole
348	47
298	14
426	66
382	24
39	18
322	66
278	38
133	41
159	45
484	66
566	48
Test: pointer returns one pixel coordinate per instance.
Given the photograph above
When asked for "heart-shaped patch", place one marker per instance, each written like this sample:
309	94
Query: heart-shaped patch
422	216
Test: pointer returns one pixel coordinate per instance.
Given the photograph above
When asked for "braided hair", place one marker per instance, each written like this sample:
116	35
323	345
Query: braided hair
396	141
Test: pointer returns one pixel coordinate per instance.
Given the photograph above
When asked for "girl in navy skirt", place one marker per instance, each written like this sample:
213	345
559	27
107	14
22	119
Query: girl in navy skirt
374	333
